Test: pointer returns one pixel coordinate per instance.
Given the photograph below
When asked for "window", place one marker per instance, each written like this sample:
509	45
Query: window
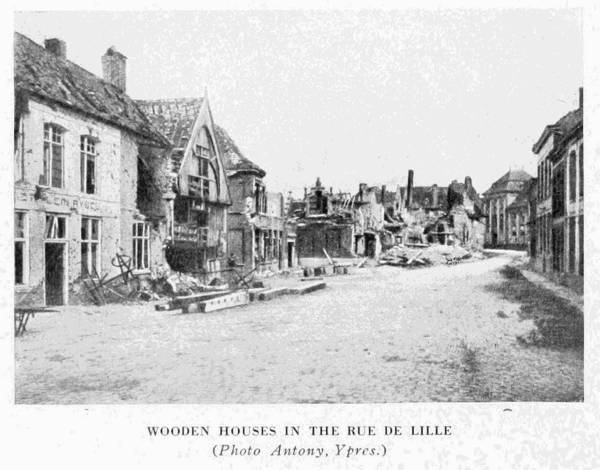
56	227
141	245
21	248
581	242
53	156
201	181
90	245
581	170
572	176
558	191
88	165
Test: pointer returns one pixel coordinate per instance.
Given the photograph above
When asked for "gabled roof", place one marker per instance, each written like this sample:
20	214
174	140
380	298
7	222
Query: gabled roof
175	119
43	74
562	128
511	181
233	158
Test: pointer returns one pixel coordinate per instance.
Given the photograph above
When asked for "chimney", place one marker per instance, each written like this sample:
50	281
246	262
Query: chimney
409	189
362	187
468	182
434	196
383	188
580	97
58	47
113	68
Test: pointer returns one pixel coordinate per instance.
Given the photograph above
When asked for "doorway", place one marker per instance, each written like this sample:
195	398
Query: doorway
370	247
290	253
54	262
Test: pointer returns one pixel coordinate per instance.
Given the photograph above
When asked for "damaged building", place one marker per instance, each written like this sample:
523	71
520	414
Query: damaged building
80	142
325	222
197	208
465	215
257	234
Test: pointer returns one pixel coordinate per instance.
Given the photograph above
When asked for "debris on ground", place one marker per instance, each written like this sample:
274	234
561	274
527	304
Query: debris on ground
401	255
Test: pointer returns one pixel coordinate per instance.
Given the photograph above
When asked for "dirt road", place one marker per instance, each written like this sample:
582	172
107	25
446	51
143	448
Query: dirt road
447	333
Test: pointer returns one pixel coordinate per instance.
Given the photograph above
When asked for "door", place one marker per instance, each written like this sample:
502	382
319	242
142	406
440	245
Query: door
54	262
290	254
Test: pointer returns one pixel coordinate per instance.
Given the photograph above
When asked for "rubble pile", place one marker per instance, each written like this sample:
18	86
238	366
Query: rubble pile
401	255
177	284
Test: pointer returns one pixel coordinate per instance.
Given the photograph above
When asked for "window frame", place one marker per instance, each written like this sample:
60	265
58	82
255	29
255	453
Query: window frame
24	240
55	227
52	131
88	151
89	242
136	238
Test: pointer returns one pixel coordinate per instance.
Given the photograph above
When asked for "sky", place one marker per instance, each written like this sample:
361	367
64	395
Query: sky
350	96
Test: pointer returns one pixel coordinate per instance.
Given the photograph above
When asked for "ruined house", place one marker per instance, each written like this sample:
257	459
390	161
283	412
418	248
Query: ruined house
197	214
465	214
420	204
82	147
257	235
325	222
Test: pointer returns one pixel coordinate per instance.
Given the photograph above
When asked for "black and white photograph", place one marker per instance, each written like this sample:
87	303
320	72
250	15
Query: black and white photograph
300	207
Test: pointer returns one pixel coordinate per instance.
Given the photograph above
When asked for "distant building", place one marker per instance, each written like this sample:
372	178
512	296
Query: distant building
257	235
197	241
559	217
496	201
84	152
519	218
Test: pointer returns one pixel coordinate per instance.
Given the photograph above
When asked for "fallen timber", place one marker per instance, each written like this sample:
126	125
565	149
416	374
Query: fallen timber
234	299
184	300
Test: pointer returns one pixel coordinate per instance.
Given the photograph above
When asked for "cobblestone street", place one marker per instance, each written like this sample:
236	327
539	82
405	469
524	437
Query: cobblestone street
379	335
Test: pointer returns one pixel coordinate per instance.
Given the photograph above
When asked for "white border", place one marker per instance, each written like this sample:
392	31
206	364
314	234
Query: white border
532	435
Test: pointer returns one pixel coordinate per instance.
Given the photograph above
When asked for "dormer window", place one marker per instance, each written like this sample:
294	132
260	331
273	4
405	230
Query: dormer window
53	173
88	164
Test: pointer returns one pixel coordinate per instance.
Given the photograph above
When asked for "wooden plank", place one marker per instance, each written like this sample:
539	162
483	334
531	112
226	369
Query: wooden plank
235	299
272	293
410	261
328	257
307	288
182	301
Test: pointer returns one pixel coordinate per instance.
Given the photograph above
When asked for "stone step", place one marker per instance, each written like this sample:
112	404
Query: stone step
272	293
219	303
307	288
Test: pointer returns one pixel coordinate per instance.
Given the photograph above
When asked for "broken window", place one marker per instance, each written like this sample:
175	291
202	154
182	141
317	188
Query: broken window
181	209
56	227
53	156
88	164
21	251
141	245
90	245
